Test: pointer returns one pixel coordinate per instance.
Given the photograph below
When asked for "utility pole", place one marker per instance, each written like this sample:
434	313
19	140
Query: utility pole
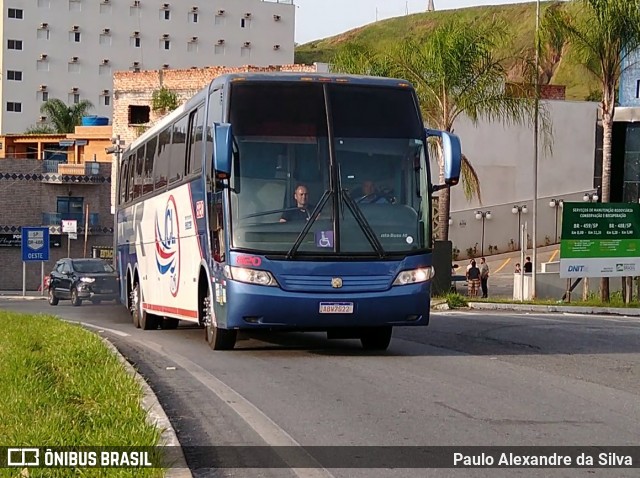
116	149
536	128
431	7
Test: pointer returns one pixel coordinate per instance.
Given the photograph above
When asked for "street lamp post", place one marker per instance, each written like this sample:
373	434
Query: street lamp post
588	197
482	216
519	210
557	205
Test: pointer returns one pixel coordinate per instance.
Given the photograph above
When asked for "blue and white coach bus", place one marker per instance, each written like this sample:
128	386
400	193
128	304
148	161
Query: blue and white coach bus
285	202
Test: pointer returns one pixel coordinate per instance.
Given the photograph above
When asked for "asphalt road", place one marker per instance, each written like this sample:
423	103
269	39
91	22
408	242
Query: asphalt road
468	379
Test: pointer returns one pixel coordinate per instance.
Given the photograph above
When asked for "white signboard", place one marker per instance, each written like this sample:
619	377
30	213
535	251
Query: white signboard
70	226
73	235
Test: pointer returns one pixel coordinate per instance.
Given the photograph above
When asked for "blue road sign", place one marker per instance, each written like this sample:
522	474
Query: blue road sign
35	244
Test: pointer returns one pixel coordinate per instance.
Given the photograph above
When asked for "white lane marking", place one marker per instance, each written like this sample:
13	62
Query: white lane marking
98	328
264	426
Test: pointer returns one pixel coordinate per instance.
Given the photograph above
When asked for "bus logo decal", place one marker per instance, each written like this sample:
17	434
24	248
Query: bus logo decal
254	261
168	245
336	283
199	209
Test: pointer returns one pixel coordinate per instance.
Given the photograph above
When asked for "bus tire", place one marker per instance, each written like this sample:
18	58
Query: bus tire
217	338
376	338
221	339
141	317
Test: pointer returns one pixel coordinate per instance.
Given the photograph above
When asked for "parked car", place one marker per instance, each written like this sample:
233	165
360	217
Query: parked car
83	279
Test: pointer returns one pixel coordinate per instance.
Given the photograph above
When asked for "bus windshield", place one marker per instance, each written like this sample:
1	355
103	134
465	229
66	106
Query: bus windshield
326	169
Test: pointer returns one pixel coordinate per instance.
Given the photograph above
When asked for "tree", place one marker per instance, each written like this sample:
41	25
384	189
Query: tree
603	33
455	72
65	118
164	100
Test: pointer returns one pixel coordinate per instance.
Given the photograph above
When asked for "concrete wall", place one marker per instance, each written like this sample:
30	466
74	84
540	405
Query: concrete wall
107	32
503	158
24	197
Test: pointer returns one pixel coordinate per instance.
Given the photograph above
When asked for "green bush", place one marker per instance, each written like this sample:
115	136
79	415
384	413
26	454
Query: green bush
455	300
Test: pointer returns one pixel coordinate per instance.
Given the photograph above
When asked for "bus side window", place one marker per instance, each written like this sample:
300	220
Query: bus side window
193	163
214	115
161	162
147	185
178	149
123	181
139	172
217	230
130	176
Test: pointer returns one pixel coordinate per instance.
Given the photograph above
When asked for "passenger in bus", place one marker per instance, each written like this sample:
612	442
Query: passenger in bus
371	194
302	210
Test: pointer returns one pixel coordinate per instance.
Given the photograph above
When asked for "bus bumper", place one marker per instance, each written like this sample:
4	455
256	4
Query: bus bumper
257	307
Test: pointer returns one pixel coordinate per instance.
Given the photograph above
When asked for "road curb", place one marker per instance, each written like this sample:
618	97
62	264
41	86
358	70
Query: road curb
555	309
156	416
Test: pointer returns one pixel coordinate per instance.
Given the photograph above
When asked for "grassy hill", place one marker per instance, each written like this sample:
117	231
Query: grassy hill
519	20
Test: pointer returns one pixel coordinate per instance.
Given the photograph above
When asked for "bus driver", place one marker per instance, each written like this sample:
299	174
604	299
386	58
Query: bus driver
302	211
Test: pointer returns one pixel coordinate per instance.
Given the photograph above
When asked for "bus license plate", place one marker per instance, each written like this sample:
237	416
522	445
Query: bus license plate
336	307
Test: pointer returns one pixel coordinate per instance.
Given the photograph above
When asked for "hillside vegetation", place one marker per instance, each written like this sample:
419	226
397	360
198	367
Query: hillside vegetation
519	19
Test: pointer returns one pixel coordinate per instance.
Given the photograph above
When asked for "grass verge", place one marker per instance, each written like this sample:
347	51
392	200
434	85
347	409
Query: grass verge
60	386
593	301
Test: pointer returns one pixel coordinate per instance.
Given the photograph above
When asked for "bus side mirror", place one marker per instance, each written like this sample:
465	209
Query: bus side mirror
222	150
451	156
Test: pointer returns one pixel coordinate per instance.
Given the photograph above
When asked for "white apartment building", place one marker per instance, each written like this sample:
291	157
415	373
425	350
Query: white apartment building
69	49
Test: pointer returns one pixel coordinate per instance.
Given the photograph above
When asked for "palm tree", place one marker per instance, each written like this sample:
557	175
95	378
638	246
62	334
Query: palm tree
603	33
455	73
65	118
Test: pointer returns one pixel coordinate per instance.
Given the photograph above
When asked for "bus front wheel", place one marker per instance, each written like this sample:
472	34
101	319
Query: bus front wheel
376	338
217	338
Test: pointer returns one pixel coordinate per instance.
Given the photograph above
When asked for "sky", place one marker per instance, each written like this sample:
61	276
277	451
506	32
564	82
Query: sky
316	19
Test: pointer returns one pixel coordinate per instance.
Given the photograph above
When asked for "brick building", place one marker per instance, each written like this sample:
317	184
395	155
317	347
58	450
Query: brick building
42	192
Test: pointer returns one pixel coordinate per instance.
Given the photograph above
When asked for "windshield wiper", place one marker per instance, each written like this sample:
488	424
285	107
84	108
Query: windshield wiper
314	215
363	223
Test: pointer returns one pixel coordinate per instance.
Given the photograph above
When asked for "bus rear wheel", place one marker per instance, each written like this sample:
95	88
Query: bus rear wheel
141	318
376	338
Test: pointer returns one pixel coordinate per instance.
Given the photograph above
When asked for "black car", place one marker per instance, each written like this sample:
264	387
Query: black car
83	279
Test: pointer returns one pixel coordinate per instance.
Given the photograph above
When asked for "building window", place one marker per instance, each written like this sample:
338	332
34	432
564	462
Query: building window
192	47
45	96
167	44
14	44
15	13
105	39
42	34
166	14
14	107
139	114
107	100
104	70
76	98
74	67
43	4
70	207
135	42
218	50
105	8
14	75
193	17
245	52
42	65
243	23
75	5
220	21
638	89
76	37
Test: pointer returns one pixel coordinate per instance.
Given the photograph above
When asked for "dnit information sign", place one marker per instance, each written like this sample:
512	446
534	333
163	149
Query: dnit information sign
35	244
600	240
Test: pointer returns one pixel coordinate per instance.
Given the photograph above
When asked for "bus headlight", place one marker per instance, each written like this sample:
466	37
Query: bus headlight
415	276
88	280
252	276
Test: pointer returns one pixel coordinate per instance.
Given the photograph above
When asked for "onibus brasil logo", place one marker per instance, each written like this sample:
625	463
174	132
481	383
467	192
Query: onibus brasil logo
168	245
